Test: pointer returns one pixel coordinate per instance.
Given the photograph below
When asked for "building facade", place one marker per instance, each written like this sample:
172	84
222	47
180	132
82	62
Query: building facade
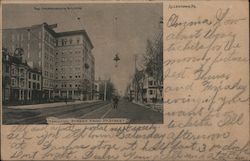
74	66
152	91
21	83
145	90
64	58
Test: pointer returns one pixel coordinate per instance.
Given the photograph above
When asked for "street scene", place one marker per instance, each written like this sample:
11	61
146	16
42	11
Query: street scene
77	63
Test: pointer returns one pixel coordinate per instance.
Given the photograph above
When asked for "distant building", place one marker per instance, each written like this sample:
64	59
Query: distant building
64	58
98	90
152	90
130	92
145	89
21	83
103	89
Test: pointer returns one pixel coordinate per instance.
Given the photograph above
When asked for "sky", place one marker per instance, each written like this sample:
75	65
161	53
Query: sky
126	36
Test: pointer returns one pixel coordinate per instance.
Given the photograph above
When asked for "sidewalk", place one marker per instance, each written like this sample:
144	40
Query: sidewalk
158	107
48	105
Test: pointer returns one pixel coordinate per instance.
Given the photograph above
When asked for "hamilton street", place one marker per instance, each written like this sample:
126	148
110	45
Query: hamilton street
92	110
83	66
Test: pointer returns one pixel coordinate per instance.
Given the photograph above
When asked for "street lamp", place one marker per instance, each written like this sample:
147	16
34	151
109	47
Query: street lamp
116	59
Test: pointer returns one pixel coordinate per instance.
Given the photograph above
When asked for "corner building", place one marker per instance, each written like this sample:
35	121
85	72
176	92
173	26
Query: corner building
74	66
65	59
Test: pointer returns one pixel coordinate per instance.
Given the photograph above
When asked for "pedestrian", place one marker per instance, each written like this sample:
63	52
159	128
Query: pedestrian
66	101
115	102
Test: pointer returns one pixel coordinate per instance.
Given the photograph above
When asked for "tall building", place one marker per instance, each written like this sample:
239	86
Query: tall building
65	58
74	65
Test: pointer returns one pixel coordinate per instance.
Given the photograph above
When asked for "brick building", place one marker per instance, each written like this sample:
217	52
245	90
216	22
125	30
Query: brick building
21	83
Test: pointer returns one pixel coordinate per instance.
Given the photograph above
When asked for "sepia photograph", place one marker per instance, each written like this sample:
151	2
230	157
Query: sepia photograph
125	80
82	63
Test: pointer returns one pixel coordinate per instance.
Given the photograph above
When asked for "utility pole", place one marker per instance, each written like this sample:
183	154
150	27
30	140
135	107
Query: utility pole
105	90
135	57
135	83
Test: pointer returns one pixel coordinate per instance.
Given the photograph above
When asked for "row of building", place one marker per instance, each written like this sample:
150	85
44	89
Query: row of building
40	64
20	81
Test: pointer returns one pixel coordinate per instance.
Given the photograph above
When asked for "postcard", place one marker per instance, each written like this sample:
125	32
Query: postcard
125	80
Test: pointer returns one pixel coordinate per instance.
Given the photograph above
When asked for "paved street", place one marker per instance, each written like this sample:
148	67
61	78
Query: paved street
137	114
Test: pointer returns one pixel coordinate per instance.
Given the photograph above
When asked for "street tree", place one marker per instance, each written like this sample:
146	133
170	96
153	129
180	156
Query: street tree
153	61
138	81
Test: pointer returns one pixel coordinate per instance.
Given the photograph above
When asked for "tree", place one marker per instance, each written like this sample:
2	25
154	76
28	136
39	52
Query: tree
138	80
153	61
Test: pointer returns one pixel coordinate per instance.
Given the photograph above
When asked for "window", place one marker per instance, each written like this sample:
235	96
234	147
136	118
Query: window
38	86
13	71
29	84
70	76
7	57
13	82
6	80
7	69
76	85
70	85
150	83
150	92
70	41
77	41
22	83
34	85
38	77
62	76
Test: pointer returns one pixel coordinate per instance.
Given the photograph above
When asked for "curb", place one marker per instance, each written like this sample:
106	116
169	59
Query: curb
51	105
149	107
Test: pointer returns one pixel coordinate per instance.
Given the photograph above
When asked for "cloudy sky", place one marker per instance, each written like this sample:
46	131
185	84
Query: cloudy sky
135	24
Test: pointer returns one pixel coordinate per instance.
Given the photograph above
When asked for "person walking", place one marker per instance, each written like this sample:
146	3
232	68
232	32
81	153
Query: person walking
66	101
115	102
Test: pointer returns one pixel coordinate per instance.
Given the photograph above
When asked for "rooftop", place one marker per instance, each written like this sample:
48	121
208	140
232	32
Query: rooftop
49	28
76	32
